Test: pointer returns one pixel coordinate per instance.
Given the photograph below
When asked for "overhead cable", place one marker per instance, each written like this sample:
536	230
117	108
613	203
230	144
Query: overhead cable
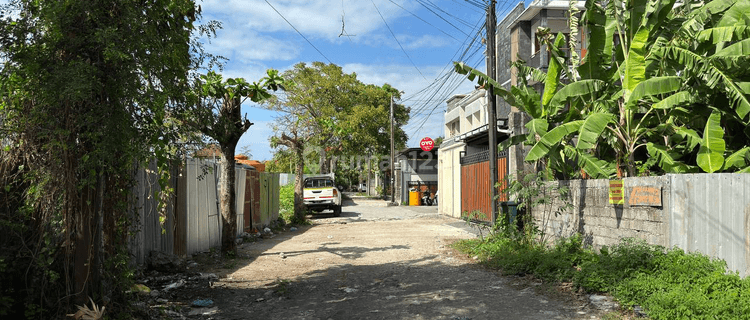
300	33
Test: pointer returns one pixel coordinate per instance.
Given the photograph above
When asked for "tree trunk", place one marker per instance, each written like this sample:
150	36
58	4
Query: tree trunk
299	204
227	199
369	173
323	163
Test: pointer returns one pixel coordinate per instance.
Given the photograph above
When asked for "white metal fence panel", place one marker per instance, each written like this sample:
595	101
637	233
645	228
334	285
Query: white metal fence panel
239	188
286	178
711	214
149	232
202	214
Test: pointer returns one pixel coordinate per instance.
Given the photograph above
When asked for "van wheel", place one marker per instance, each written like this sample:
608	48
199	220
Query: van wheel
337	211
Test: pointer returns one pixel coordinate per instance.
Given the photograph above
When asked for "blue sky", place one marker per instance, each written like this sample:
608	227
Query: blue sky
432	33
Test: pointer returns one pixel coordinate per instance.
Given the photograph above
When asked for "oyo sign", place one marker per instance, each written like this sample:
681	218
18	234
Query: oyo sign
427	144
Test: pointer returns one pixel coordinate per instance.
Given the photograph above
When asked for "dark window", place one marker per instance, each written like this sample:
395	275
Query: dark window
318	183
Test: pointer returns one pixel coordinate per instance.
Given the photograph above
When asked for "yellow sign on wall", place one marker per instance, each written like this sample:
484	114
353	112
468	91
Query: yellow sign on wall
616	194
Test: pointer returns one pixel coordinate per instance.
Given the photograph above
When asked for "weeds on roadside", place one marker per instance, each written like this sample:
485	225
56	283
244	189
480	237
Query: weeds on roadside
667	283
281	286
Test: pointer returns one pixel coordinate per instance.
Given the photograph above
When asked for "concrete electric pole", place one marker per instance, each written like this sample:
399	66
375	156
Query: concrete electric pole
491	109
393	168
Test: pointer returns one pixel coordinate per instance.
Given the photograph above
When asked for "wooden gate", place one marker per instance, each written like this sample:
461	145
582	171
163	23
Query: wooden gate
475	183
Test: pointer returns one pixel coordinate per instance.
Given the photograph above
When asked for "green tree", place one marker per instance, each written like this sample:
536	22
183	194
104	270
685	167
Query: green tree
86	90
676	71
219	116
328	112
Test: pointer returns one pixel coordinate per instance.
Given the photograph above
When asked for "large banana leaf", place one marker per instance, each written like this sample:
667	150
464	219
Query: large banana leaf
667	160
691	138
537	127
553	74
724	34
482	79
471	73
737	14
576	89
635	65
737	159
697	19
711	153
652	87
739	49
597	58
592	129
553	137
675	100
528	100
512	141
711	75
596	168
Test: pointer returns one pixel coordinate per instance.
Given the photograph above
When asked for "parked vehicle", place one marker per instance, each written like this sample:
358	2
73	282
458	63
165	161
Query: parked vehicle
321	194
426	200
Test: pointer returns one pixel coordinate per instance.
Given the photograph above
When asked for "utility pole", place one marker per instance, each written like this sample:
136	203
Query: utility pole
393	168
491	108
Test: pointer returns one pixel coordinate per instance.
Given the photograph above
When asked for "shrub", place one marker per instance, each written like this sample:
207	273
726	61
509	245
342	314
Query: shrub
667	283
286	203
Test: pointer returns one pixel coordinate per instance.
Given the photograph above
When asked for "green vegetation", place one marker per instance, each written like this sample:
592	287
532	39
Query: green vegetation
666	283
670	95
327	114
218	115
286	203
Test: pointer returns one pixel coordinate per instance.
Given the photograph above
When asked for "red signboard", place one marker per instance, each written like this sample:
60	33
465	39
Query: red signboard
427	144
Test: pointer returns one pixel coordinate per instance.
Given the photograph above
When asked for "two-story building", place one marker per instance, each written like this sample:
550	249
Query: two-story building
463	174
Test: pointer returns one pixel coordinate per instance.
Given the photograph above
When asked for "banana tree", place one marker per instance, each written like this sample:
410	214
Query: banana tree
652	93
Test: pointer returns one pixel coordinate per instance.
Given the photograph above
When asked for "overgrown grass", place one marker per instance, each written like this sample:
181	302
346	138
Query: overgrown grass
667	283
286	203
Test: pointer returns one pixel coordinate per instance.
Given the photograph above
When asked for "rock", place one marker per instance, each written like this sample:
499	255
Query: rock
140	288
267	230
174	314
603	303
208	276
202	303
203	311
282	255
165	262
175	285
639	312
154	293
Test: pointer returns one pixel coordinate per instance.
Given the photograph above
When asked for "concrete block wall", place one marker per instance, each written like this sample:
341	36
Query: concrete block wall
604	224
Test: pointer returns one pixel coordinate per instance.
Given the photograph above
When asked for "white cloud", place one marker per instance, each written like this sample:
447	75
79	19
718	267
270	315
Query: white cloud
314	18
424	41
247	46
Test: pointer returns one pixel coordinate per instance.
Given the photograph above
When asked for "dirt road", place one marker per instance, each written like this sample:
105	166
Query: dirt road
373	262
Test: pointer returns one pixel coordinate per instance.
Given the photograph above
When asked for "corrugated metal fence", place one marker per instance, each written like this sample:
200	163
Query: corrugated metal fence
710	213
191	222
147	232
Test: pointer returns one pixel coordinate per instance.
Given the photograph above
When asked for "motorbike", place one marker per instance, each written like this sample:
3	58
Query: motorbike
426	200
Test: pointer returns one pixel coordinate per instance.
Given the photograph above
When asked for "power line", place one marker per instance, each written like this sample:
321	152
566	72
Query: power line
300	33
394	38
441	17
425	21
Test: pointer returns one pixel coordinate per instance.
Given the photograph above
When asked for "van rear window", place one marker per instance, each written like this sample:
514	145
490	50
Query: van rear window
318	183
